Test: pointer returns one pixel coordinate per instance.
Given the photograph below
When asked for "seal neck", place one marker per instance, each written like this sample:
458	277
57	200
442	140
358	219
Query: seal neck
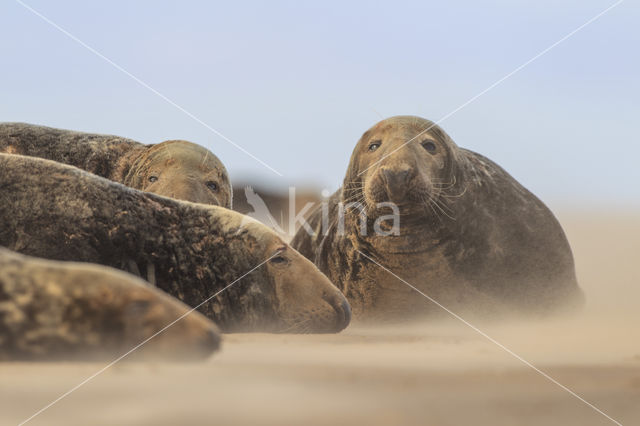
418	231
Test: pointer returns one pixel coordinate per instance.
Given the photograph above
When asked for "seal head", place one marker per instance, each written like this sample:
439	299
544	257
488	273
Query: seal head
285	294
64	310
405	160
182	170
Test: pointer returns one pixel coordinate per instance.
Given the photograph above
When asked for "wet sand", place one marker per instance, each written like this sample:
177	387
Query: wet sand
436	373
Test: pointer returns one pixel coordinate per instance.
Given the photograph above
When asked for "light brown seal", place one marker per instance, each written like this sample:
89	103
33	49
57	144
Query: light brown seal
192	251
469	234
175	168
62	310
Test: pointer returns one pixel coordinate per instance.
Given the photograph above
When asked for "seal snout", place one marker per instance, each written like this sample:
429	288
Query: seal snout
210	342
396	179
343	311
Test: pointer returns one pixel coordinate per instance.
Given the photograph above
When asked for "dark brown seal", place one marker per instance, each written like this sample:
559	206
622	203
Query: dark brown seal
192	251
176	168
63	310
469	234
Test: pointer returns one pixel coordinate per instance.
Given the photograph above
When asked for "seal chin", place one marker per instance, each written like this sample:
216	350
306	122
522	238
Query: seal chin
330	313
330	316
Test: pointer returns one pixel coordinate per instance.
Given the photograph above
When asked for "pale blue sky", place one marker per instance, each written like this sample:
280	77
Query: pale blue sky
296	84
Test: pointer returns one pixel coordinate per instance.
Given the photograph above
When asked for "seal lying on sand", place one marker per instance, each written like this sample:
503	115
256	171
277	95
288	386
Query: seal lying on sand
177	169
469	234
191	251
62	310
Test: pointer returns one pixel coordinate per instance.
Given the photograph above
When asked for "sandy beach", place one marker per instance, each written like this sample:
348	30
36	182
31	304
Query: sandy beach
436	373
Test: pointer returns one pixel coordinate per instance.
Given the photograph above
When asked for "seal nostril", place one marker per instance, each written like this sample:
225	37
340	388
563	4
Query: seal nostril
396	179
342	309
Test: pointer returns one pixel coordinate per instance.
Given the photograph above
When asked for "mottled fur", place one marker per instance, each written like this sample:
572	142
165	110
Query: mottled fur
192	251
177	169
63	310
470	234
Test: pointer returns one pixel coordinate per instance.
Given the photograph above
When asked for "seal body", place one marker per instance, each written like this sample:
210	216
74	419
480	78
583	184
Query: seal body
239	273
63	310
469	235
176	168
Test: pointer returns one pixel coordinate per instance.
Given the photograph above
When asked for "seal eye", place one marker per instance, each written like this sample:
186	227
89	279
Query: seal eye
429	146
212	185
374	145
153	178
279	260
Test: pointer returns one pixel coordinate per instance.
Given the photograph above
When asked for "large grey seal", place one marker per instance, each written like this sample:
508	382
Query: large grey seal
192	251
175	168
64	310
469	234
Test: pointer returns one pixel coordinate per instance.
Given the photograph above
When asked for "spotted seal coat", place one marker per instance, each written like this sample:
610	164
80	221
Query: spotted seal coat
191	251
63	310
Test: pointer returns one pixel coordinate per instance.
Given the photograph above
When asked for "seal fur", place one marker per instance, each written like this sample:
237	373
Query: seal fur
195	251
62	310
470	235
175	168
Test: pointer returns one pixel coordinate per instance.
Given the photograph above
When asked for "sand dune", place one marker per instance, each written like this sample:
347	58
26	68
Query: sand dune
438	373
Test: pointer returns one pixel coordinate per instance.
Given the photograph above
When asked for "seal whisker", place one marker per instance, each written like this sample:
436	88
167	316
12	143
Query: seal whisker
442	206
455	196
166	147
354	190
354	198
132	267
444	184
296	326
206	154
151	273
429	203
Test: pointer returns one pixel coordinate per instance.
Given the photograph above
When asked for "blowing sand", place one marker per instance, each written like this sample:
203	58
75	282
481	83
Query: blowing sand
436	373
